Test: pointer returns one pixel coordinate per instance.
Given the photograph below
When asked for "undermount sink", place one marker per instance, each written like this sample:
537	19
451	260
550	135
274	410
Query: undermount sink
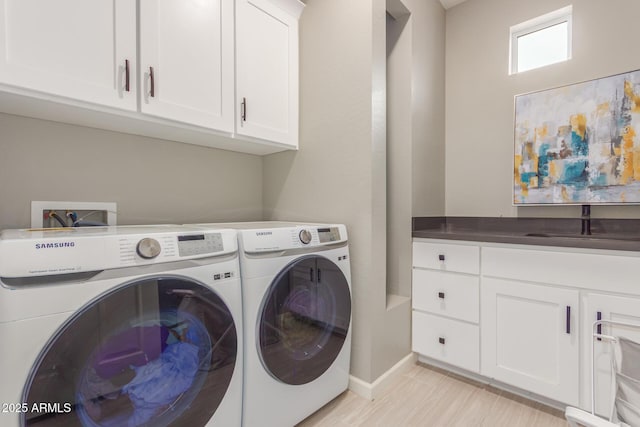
585	236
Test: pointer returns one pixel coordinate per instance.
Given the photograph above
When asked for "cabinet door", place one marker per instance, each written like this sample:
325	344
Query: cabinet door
71	48
606	307
530	337
267	72
186	61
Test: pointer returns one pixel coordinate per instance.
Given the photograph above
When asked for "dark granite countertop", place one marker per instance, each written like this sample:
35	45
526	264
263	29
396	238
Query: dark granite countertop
610	234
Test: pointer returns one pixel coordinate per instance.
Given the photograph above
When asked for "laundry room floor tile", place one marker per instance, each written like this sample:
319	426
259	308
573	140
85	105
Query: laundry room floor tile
428	396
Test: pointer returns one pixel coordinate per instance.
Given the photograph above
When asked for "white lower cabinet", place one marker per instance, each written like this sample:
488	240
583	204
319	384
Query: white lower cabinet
451	295
530	337
447	257
445	303
447	340
607	307
523	315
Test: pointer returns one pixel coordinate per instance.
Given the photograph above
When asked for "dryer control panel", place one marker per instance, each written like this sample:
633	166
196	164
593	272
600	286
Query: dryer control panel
329	234
294	237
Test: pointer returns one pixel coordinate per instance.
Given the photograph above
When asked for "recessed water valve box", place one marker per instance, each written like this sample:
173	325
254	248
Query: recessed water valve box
54	214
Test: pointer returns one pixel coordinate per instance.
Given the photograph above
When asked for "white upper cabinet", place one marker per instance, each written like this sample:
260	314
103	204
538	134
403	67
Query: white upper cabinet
171	69
267	69
78	49
186	61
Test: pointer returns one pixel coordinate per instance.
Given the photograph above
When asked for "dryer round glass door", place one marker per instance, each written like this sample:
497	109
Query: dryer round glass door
153	352
304	320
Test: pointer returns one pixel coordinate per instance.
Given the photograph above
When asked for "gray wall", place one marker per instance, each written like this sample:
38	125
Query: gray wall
480	93
331	179
153	181
415	129
428	111
399	142
339	175
415	153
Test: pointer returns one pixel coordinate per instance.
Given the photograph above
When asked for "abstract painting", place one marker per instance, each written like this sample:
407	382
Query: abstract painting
579	144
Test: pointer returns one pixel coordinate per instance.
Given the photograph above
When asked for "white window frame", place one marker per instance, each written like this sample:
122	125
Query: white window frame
536	24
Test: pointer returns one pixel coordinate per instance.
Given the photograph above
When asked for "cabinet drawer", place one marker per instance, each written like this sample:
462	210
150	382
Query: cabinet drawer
450	341
458	258
605	271
448	294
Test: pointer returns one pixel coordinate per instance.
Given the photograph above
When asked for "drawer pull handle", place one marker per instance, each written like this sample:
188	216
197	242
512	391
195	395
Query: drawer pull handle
441	340
568	322
441	295
599	327
441	257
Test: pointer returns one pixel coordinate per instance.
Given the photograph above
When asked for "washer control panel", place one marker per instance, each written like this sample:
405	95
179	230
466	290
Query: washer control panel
148	248
26	253
305	236
199	244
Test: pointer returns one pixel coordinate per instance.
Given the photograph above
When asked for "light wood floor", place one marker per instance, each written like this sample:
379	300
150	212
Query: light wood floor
426	396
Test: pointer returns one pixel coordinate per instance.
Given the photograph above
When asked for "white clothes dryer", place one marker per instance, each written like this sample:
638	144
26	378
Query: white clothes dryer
120	326
296	282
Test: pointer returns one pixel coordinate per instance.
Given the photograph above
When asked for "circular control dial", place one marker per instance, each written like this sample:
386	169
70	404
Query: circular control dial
148	248
305	236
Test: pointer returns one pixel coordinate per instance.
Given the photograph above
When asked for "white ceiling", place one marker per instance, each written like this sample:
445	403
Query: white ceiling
448	4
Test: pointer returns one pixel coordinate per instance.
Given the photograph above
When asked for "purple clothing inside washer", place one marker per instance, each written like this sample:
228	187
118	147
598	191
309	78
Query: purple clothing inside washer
135	346
159	383
302	302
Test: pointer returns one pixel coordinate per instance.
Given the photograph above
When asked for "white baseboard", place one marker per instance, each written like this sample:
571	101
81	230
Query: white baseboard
372	391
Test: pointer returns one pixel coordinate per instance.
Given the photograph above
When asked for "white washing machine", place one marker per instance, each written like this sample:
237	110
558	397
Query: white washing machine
296	283
120	326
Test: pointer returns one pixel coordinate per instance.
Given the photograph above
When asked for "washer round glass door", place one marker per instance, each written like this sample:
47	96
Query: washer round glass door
304	320
154	352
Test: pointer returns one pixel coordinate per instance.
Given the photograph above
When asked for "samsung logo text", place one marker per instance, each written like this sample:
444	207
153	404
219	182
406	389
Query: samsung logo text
55	245
263	233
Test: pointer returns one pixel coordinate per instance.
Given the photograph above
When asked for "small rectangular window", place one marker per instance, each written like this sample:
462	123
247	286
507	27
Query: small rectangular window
541	41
